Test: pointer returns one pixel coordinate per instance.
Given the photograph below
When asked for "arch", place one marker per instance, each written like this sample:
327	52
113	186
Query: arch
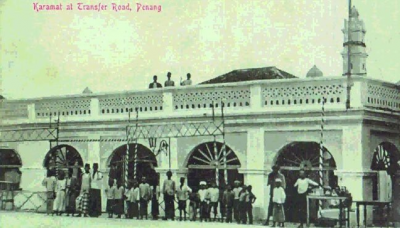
10	158
146	161
386	157
303	155
203	160
62	156
10	162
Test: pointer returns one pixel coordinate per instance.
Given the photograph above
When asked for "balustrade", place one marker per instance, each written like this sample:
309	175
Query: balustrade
257	96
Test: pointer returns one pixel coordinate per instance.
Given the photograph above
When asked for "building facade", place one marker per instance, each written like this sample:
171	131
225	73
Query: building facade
266	122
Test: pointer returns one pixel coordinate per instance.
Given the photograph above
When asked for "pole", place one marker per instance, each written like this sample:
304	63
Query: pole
224	144
217	163
169	153
136	146
348	59
126	171
321	153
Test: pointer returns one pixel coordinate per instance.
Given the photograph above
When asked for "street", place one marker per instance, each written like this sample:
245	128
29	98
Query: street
35	220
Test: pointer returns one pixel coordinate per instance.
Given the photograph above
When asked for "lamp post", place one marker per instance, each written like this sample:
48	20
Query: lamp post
163	147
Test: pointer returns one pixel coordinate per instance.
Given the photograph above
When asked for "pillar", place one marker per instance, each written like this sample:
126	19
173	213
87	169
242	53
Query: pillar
256	97
94	152
94	107
255	173
168	102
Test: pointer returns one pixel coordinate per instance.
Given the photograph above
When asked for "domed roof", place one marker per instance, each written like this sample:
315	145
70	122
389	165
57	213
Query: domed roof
314	72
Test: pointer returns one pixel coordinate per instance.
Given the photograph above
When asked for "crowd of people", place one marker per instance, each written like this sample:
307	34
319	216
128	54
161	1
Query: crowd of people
169	82
79	194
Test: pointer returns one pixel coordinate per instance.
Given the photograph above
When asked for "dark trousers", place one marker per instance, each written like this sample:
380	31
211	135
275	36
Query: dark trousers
249	210
133	210
229	214
143	208
236	210
270	208
243	212
211	206
204	213
95	203
302	207
169	206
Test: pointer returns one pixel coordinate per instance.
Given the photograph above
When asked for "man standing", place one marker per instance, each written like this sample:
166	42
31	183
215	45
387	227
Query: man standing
155	84
169	82
95	192
275	174
236	191
145	196
169	190
188	81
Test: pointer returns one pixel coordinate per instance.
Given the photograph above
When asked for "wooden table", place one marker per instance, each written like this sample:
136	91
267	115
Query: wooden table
323	197
371	203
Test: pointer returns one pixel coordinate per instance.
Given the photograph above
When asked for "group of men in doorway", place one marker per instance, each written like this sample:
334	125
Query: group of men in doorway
169	82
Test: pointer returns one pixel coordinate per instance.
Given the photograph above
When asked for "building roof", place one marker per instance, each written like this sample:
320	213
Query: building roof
314	72
398	83
263	73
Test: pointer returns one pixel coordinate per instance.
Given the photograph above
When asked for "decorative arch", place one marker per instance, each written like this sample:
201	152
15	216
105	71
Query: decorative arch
203	156
203	160
62	156
304	155
386	157
9	158
10	162
146	162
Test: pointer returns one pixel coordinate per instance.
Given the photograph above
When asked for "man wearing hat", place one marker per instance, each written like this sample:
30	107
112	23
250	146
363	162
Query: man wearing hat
145	196
169	191
275	174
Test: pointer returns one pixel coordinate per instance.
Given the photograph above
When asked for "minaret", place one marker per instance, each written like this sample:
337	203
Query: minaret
358	55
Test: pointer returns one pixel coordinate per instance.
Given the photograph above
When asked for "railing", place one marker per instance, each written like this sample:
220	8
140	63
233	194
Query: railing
382	95
252	96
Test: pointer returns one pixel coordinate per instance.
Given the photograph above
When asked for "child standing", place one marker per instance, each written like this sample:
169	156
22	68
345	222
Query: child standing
133	201
242	205
251	198
227	200
182	194
110	192
119	200
278	199
194	198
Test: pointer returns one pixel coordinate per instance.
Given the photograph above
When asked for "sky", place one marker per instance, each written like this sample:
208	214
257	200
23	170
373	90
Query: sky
61	53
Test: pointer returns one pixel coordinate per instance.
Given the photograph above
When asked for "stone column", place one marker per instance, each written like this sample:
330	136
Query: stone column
254	173
352	173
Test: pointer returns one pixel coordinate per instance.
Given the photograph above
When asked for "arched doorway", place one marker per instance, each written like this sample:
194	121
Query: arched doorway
204	159
146	162
385	162
62	157
298	156
10	162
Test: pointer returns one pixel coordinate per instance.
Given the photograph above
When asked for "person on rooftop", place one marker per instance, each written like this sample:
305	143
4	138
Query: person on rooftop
169	82
155	84
188	81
